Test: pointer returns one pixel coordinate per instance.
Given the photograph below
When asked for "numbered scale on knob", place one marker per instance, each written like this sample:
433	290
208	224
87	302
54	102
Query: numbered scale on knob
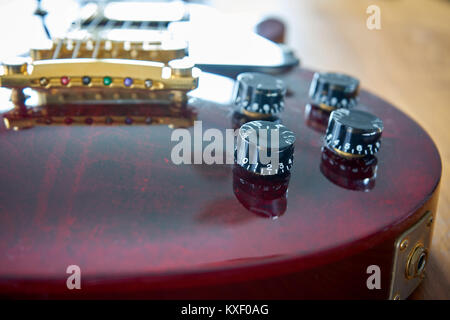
334	90
354	133
259	94
265	148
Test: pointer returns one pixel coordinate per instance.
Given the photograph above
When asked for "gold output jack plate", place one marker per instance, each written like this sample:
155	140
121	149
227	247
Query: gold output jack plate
417	261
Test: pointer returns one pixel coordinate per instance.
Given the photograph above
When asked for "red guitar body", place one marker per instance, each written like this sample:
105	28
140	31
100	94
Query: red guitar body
109	200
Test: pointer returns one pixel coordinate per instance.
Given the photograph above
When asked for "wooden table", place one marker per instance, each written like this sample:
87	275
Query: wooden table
407	62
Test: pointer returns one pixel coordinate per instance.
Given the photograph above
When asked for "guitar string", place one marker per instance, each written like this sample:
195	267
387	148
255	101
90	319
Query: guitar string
108	26
93	24
60	43
90	30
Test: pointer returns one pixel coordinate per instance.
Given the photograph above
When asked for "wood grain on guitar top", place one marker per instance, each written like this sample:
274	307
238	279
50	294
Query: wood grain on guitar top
406	62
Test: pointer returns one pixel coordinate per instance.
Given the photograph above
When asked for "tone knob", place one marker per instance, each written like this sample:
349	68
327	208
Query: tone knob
259	94
265	148
334	90
353	133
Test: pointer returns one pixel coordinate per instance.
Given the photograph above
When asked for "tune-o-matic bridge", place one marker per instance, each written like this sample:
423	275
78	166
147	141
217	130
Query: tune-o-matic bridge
102	75
148	45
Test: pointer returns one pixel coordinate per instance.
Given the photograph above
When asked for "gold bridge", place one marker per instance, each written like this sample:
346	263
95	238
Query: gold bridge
105	65
102	73
159	49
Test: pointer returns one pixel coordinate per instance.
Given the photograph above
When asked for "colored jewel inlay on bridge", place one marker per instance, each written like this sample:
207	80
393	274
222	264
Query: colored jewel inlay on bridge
148	83
86	80
65	80
107	81
43	82
128	82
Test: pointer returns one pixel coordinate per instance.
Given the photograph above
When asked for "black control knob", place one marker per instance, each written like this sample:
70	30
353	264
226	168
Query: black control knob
334	90
260	94
353	133
265	148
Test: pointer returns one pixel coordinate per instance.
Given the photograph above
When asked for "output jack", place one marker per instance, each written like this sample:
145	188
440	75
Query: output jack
417	261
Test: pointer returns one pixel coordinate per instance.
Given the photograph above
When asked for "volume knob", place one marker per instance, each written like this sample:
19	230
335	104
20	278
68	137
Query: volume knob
265	148
353	133
259	94
334	90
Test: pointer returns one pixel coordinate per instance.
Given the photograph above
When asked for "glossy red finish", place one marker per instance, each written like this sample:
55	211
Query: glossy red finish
109	199
316	117
350	173
265	196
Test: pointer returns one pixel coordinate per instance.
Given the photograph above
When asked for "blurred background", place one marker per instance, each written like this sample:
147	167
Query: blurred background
406	61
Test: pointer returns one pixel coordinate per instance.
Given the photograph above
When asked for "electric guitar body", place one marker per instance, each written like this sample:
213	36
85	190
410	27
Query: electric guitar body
94	185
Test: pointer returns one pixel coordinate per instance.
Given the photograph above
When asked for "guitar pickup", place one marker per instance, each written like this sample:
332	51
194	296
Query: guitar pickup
178	75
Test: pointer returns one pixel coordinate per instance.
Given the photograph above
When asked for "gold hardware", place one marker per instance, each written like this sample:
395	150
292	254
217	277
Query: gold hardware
43	81
181	67
417	261
326	107
111	73
410	258
404	244
256	115
15	68
346	154
103	45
